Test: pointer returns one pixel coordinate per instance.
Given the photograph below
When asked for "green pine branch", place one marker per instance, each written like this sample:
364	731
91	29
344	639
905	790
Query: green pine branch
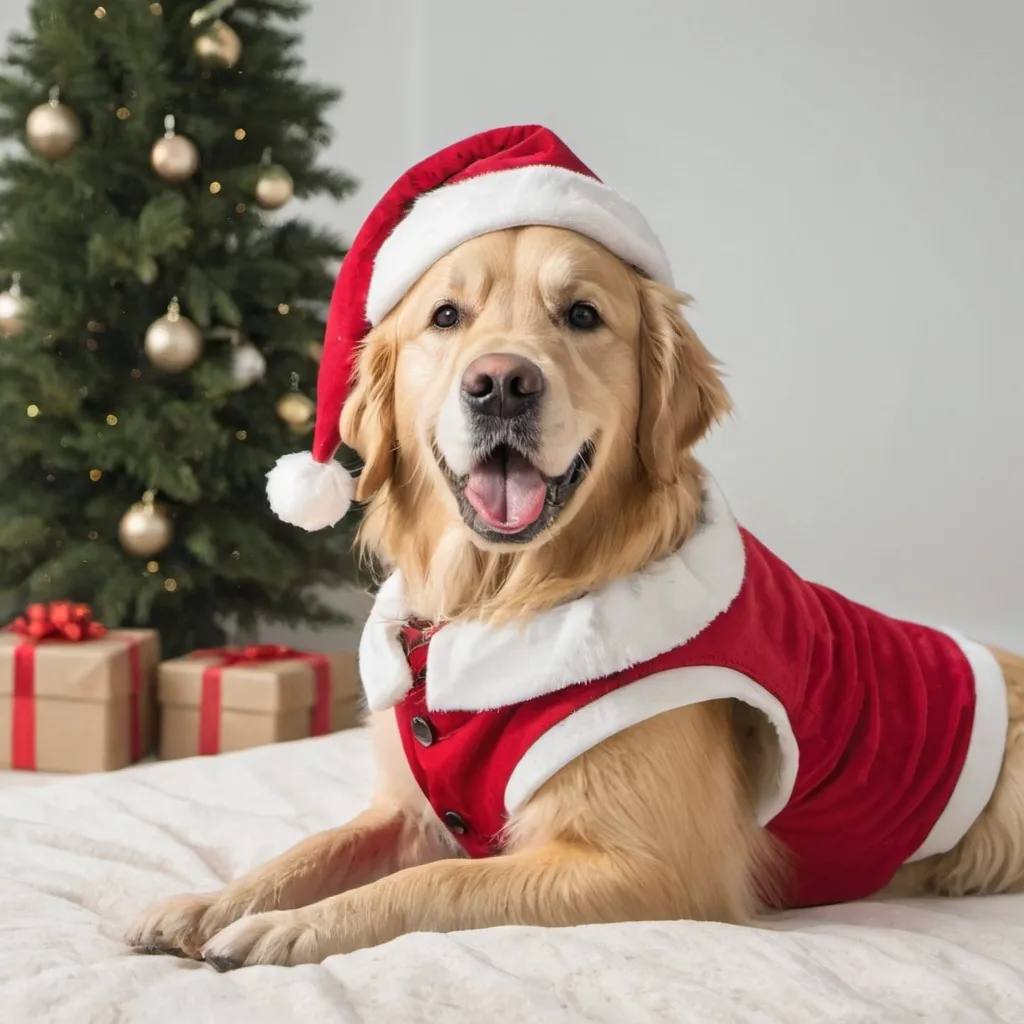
102	244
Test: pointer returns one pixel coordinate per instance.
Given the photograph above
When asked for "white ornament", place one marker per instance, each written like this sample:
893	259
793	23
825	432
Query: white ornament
248	366
12	308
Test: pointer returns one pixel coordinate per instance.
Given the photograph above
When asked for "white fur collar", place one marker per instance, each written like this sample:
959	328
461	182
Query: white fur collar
475	667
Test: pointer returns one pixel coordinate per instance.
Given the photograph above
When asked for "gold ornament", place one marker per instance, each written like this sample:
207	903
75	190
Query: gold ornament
274	186
52	129
173	343
146	528
12	308
297	411
174	157
218	46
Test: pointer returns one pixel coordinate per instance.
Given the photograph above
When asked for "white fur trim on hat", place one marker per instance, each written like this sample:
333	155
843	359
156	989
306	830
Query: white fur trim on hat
308	493
552	196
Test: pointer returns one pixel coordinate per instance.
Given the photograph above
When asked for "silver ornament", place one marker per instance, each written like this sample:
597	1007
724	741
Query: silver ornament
248	366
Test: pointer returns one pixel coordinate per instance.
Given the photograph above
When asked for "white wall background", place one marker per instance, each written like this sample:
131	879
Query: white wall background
839	186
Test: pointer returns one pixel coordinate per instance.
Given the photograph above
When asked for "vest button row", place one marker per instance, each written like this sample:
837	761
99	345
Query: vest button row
455	822
422	731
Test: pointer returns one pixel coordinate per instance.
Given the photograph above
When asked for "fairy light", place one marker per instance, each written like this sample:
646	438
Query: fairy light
239	134
214	187
170	585
95	474
111	420
152	567
32	411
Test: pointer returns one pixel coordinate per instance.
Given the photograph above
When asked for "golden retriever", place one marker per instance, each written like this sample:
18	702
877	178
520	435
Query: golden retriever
658	820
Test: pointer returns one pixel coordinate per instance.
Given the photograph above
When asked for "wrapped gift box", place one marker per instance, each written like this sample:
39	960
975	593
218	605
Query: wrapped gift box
233	698
75	697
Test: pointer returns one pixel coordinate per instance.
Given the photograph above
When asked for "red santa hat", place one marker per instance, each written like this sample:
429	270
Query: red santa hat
503	178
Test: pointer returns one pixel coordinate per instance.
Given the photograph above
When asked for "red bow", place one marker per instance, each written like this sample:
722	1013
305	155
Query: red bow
58	620
252	654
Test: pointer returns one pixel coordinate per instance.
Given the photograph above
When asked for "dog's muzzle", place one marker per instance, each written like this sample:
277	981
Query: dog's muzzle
504	497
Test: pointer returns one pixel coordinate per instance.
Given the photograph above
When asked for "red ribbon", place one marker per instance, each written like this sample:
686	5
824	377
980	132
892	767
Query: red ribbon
57	621
229	657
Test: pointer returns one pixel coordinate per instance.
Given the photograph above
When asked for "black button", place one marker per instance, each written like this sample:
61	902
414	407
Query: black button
455	822
422	730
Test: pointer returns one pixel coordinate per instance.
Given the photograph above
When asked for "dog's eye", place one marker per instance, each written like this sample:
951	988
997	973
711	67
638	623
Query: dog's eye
583	316
445	316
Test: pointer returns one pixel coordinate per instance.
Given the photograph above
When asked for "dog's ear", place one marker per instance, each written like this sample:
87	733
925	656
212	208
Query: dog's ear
368	415
681	390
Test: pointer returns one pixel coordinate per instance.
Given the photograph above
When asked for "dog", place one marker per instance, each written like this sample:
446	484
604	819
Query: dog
526	414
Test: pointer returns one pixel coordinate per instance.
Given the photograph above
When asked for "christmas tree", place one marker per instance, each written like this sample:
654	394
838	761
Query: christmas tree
159	327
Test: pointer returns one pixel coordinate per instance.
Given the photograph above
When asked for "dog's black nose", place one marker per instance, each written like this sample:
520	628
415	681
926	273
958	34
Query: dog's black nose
502	385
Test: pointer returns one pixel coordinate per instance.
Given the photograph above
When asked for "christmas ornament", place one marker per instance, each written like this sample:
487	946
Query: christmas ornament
218	45
248	366
174	157
52	129
12	308
297	411
146	528
274	186
173	343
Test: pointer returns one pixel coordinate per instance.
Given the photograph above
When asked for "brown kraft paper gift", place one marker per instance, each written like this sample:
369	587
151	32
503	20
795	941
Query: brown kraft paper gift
234	698
75	697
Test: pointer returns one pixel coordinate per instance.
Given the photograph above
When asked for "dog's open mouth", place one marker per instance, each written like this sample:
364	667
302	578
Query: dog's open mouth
504	497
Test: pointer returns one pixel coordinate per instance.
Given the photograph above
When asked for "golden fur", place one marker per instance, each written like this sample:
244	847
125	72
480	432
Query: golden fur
612	836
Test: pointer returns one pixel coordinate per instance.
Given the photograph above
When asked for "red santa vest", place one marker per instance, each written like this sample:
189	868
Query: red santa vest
890	734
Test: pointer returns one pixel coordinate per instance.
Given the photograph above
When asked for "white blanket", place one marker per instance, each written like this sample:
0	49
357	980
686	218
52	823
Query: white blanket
79	858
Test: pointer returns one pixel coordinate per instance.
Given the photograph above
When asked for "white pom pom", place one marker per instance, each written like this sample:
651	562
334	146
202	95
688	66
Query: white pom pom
308	493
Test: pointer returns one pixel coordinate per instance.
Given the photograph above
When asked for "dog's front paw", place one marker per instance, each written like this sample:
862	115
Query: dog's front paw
182	924
174	925
283	937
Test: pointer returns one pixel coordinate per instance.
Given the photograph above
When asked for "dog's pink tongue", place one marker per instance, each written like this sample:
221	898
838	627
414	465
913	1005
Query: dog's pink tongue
506	491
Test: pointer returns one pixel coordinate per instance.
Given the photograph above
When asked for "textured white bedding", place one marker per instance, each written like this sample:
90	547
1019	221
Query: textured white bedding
80	857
